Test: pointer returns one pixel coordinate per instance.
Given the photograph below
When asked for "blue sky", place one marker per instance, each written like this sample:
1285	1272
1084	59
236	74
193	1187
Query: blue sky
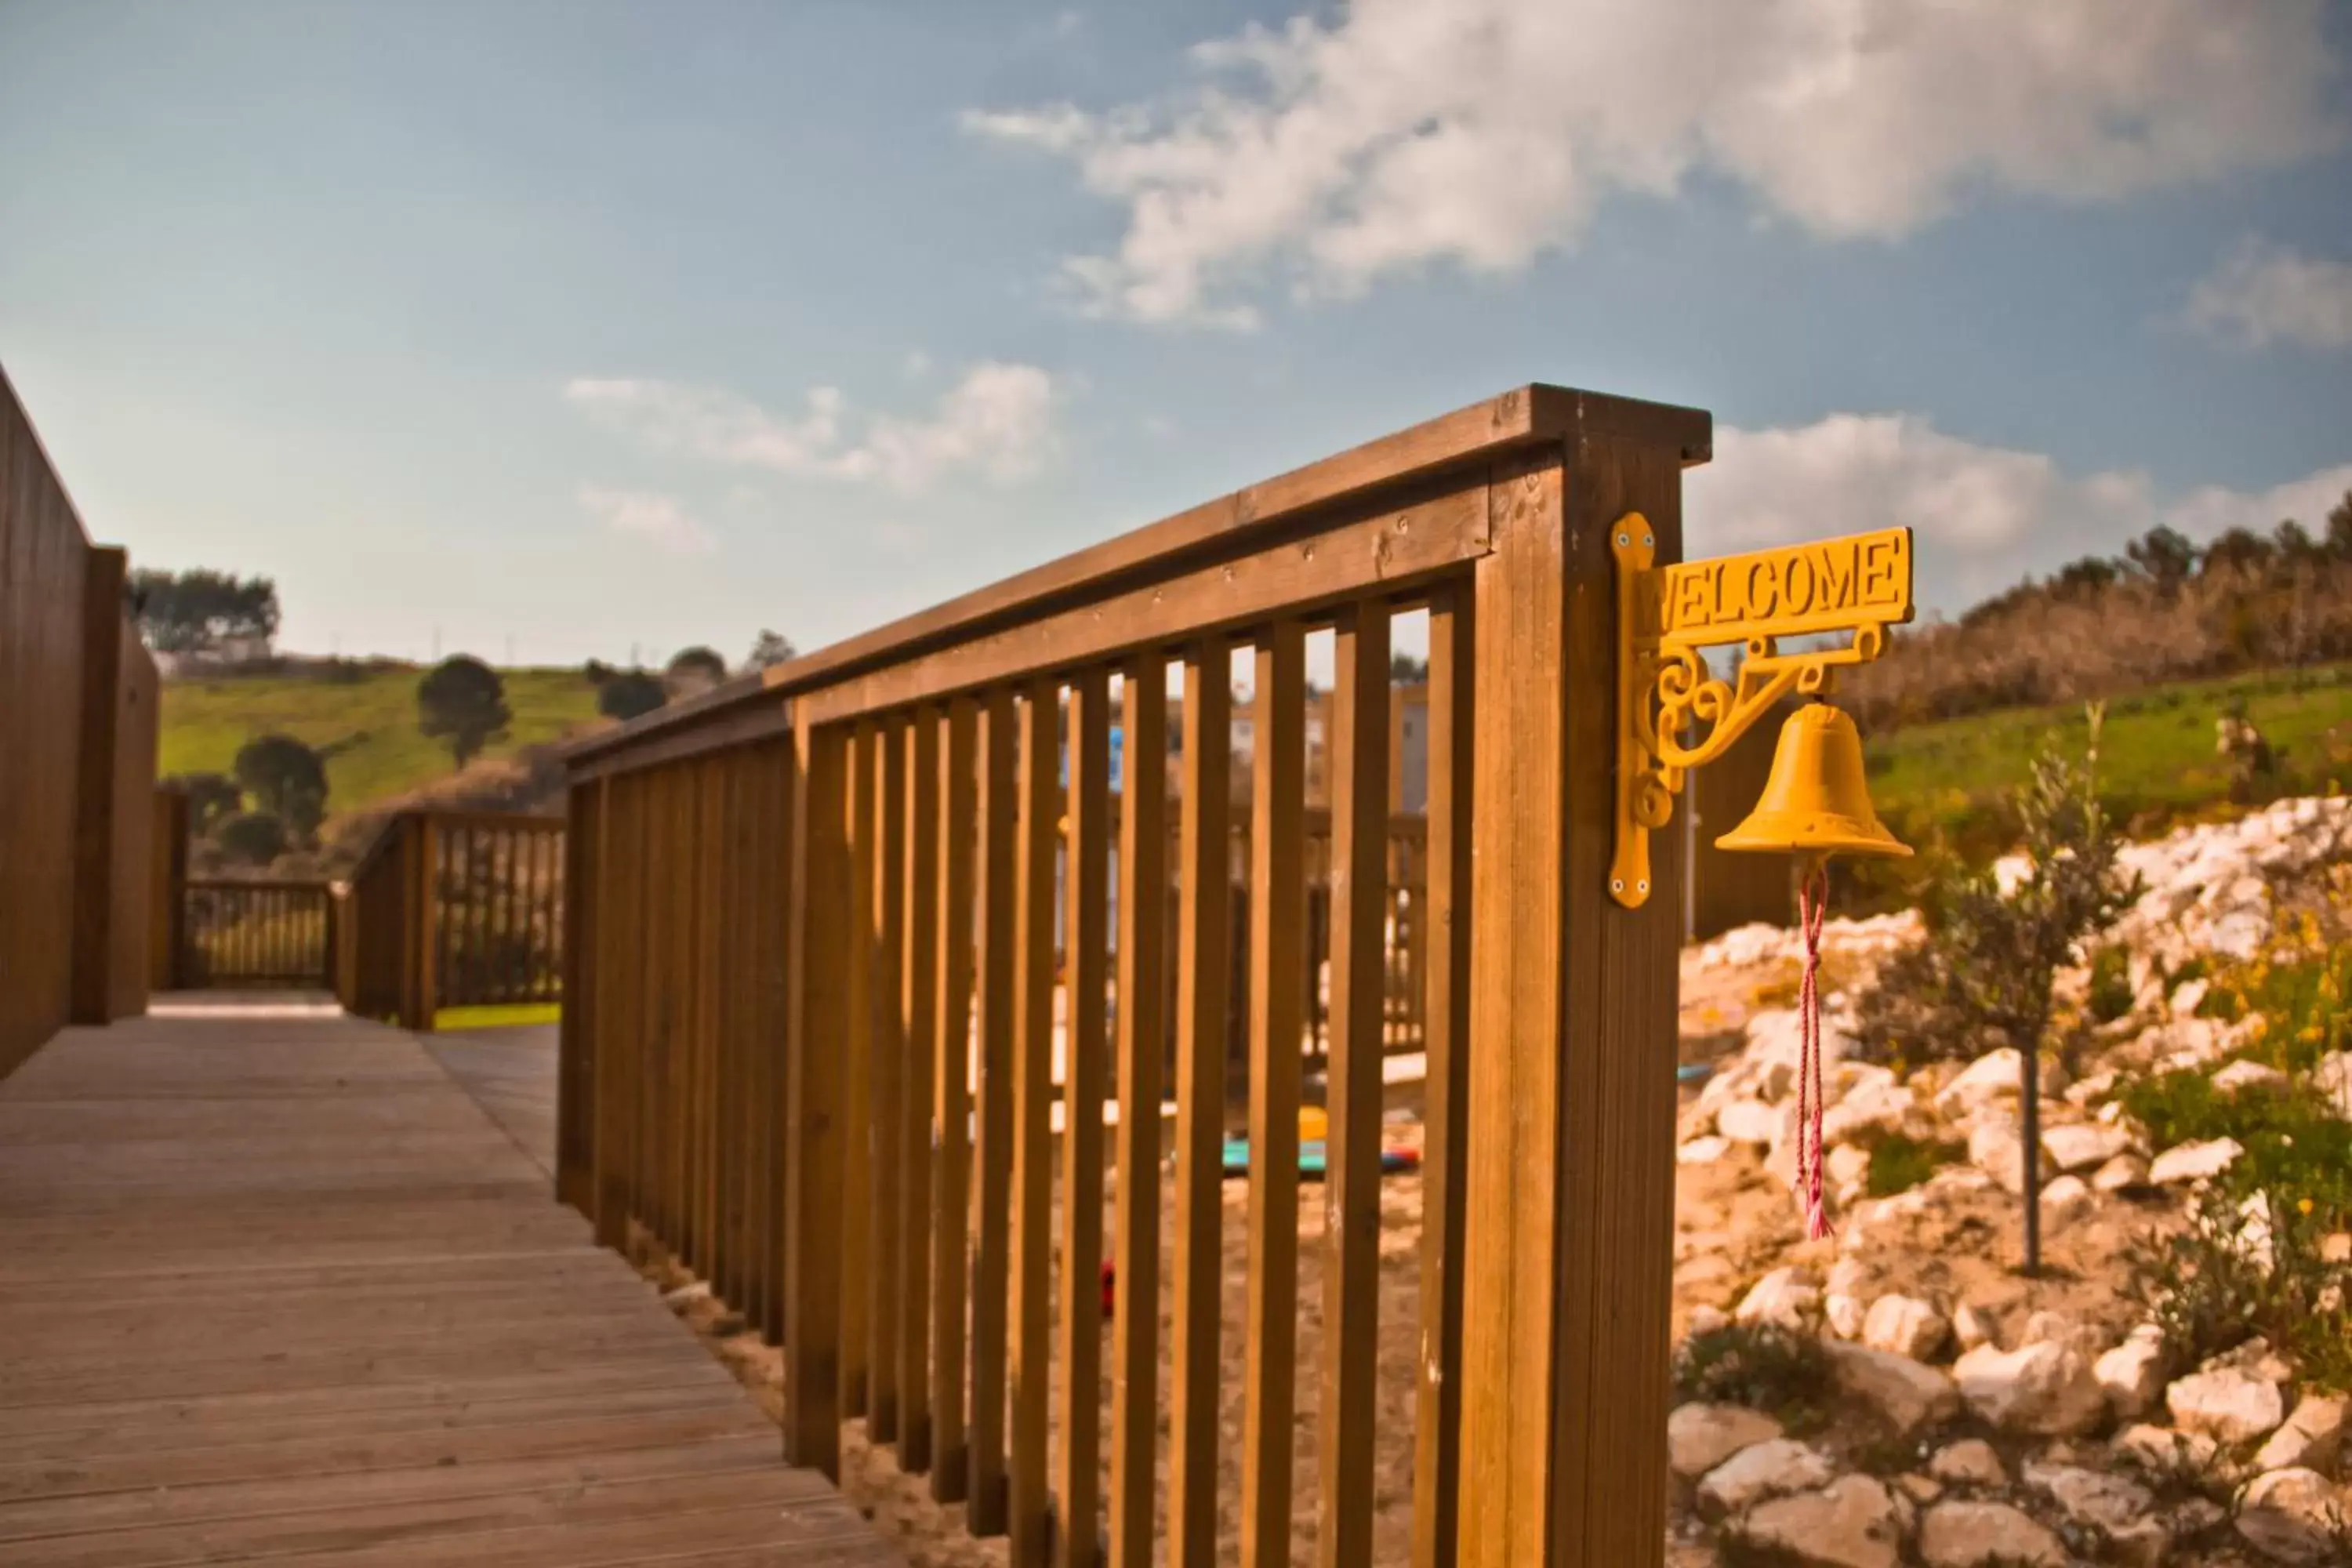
579	328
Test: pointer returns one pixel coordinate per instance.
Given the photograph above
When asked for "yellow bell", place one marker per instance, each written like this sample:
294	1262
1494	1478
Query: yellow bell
1816	801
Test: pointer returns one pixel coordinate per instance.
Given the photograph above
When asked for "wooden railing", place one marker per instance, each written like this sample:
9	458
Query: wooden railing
77	732
814	1012
454	909
256	934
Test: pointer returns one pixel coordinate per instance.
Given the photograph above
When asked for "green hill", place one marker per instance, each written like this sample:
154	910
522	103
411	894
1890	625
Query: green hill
2157	761
362	716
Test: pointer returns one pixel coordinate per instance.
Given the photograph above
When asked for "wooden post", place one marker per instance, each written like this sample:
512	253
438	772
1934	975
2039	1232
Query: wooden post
1569	1206
95	823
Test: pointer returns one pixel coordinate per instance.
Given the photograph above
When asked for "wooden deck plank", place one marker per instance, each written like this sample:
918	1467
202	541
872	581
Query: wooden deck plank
296	1290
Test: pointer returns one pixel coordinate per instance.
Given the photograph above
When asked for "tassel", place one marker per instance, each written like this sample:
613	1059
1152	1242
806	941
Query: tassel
1813	906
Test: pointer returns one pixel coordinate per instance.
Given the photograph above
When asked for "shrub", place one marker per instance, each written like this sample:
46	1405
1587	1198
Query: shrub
1784	1373
2111	988
2296	1145
1983	976
1899	1163
2235	1271
255	837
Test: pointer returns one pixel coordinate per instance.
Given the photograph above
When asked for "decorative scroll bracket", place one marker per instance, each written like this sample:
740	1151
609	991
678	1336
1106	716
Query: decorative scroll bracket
1858	585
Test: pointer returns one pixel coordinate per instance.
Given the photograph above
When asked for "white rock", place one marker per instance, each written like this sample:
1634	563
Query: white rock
2045	1389
1958	1534
1847	1163
2081	1092
1770	1468
2081	1145
2240	1077
1784	1297
2065	1200
1749	1121
2333	1078
1700	1436
1905	1326
1843	1313
2118	1509
1873	1105
2189	995
1972	1461
1703	1151
1989	1078
1972	1326
2120	1173
2226	1405
1854	1522
2293	1516
1996	1148
2311	1438
1708	1321
2132	1374
2194	1162
1906	1394
2161	1451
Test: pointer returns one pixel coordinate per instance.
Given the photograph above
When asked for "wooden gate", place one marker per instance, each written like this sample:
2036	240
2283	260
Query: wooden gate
262	933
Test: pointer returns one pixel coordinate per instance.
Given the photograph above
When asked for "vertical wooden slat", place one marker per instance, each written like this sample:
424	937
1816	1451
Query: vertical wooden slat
1444	942
1277	898
1349	1408
820	1029
997	965
1085	1058
1142	914
918	1030
1203	970
885	1070
952	1100
856	981
1029	1510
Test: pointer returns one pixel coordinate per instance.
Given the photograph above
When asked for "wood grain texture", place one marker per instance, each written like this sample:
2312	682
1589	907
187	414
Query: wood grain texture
1348	1408
953	1052
1086	1060
1143	1041
1437	1415
1029	1509
1278	899
997	978
373	1338
884	1055
1204	912
854	1045
918	1125
824	874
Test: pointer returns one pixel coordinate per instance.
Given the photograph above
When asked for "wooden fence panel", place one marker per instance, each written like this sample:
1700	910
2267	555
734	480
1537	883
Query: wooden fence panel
949	924
77	697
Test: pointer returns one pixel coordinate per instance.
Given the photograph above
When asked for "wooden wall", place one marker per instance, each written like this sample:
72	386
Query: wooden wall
77	762
1729	888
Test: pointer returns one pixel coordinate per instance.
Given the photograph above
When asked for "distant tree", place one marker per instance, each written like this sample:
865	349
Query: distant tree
462	702
2240	548
2340	527
694	669
200	611
2084	578
774	648
253	837
597	671
631	694
1406	670
2295	544
211	799
288	779
2165	555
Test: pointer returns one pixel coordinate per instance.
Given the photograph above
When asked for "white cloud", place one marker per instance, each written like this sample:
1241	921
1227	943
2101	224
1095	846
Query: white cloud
1982	516
1486	132
2263	294
657	519
998	421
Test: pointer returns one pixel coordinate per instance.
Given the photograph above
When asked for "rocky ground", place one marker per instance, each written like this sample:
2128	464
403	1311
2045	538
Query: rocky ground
1941	1408
1901	1393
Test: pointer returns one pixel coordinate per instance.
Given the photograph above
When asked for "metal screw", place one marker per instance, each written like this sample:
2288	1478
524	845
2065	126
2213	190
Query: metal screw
1642	885
1623	540
1617	884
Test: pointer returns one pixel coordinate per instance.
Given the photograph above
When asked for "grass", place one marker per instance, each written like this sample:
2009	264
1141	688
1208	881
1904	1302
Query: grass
508	1016
1785	1374
2157	759
1899	1163
364	716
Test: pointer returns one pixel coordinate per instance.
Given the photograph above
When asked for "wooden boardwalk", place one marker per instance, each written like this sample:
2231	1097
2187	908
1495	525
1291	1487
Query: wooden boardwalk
275	1288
